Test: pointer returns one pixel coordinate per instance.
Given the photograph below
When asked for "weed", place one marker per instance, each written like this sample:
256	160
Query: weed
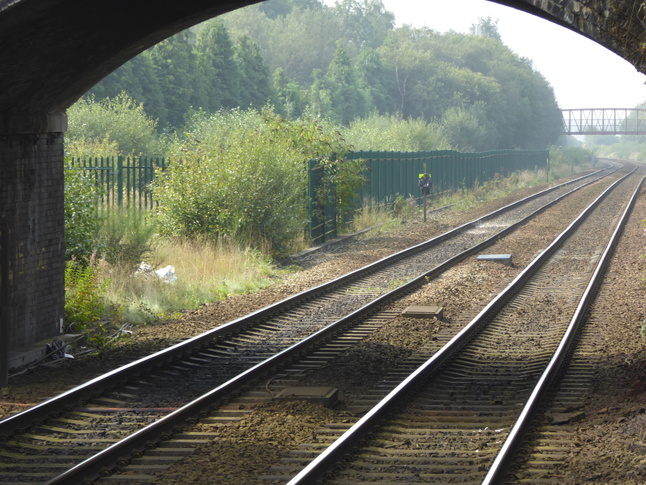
85	291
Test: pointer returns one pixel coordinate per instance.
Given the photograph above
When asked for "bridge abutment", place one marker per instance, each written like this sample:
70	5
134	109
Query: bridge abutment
32	250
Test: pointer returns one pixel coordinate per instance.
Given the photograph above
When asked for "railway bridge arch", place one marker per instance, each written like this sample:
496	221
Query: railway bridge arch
52	52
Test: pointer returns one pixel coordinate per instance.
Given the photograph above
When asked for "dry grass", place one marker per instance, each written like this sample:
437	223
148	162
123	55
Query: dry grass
205	271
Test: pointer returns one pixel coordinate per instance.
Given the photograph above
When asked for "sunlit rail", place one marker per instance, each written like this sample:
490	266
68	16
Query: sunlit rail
604	121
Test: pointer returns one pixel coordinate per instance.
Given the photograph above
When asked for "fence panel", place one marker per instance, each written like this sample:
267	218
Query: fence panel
322	217
123	181
396	173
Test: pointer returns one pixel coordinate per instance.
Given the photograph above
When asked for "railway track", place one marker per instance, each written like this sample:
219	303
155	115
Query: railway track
51	443
463	414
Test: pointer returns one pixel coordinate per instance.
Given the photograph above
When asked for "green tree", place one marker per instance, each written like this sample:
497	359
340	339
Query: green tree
299	42
136	78
255	87
463	130
363	23
175	66
374	82
344	90
407	54
288	95
220	73
486	27
242	174
319	97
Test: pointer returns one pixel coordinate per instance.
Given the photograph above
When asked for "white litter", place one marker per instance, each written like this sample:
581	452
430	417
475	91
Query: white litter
166	274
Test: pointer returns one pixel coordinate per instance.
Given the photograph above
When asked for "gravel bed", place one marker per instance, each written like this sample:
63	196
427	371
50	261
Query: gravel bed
615	414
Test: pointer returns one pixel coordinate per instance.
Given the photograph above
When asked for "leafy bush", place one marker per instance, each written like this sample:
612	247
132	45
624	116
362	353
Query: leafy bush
117	122
125	235
81	215
393	133
565	161
242	174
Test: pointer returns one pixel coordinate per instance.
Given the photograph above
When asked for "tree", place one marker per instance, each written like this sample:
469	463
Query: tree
319	97
363	23
175	66
342	85
220	73
242	174
288	95
463	130
486	27
255	88
374	82
407	54
137	78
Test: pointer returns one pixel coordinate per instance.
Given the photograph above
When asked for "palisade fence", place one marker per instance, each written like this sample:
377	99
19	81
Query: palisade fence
125	181
122	181
392	174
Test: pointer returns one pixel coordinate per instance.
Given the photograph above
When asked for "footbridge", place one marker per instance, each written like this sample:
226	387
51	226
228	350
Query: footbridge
604	121
53	51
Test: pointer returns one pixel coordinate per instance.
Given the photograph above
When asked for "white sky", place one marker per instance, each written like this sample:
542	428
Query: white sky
582	73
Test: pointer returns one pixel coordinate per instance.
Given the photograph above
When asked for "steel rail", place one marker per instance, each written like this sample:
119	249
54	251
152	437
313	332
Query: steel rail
82	392
506	453
165	426
317	469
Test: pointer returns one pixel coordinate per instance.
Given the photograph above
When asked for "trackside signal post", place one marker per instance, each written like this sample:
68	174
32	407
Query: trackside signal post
425	185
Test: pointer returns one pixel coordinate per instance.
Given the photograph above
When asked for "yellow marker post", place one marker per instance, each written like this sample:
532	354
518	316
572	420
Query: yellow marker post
424	189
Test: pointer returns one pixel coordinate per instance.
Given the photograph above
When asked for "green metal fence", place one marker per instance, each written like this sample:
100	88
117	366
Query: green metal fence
396	173
124	181
322	217
391	174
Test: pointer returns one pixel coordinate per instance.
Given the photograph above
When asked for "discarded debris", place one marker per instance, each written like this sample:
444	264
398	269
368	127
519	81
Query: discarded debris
166	274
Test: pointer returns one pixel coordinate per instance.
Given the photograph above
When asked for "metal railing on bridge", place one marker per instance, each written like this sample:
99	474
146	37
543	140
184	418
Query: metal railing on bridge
604	121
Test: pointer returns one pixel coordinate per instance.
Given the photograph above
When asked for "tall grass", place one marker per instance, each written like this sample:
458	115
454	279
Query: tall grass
495	188
206	272
383	216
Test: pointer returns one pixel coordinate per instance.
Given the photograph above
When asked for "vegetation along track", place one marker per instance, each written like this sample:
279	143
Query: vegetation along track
43	441
460	416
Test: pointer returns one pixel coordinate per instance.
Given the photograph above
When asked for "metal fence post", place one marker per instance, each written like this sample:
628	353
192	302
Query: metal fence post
120	181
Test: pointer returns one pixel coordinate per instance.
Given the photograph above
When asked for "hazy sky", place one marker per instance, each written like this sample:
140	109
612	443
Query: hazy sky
582	73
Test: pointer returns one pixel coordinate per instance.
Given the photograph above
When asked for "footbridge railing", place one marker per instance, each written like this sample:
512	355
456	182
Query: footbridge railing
604	121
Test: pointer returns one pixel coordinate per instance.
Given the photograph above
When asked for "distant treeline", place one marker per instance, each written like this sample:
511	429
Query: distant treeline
344	63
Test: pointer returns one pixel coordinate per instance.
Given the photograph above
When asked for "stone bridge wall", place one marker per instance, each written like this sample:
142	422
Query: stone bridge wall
619	25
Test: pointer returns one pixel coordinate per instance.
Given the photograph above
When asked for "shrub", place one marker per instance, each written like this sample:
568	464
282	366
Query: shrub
565	161
81	215
118	121
393	133
242	174
85	290
125	235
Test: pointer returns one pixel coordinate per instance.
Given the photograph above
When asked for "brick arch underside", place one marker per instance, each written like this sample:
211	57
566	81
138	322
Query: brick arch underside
52	52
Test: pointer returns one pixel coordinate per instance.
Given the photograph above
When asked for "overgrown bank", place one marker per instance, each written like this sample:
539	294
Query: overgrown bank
108	292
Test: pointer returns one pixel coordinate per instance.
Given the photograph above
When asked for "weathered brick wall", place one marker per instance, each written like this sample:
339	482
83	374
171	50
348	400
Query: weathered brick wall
31	228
